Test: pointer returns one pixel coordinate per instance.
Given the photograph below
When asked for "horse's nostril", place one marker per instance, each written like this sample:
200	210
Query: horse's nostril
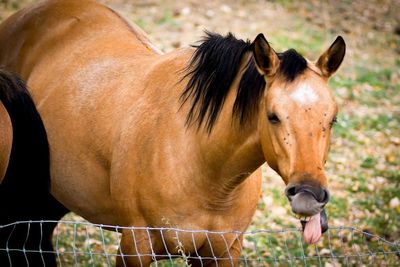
290	192
324	196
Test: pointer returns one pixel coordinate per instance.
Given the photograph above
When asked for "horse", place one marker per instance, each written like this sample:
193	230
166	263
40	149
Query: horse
150	139
5	140
25	178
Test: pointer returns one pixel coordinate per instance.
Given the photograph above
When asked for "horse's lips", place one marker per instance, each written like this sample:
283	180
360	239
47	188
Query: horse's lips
312	229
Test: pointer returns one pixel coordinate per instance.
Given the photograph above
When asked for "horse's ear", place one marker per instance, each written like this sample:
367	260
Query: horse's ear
267	60
331	59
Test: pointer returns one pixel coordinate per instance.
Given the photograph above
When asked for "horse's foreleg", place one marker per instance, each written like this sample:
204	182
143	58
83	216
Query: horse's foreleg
234	253
135	249
228	258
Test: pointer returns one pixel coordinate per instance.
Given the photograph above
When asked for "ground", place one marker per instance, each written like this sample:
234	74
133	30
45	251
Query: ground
363	165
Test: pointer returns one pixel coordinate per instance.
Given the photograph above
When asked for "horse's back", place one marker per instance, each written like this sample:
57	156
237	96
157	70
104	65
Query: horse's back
60	29
75	53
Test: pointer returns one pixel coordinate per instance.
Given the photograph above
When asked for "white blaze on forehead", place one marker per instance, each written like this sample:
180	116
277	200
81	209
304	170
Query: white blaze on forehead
304	95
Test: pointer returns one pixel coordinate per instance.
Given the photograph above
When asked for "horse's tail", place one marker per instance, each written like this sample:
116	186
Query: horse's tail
25	190
28	172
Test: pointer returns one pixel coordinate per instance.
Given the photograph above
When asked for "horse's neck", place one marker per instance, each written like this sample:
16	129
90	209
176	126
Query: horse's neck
220	160
231	152
229	155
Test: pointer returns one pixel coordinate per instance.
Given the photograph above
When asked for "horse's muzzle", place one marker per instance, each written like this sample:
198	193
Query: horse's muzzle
307	200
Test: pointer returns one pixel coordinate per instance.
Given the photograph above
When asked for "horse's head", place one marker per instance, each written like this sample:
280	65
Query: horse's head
296	116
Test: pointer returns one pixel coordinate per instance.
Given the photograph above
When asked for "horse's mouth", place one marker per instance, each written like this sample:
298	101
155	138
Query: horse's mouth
314	226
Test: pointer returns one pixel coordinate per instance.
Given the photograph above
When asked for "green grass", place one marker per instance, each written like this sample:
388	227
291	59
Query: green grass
337	207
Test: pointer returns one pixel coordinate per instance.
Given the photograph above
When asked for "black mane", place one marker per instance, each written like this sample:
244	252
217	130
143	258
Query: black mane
292	64
212	69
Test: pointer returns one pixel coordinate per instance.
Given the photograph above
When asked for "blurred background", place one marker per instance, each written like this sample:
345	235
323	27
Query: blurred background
364	161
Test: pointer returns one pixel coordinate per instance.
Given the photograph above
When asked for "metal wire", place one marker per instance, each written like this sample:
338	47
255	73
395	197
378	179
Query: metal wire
87	244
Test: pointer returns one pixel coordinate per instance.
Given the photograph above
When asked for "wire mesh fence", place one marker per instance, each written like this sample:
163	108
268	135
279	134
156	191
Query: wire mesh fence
87	244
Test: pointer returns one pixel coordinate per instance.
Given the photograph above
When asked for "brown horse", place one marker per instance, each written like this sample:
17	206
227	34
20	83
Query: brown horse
141	138
5	140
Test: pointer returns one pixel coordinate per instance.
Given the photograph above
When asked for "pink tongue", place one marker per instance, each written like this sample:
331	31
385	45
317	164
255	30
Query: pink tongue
312	230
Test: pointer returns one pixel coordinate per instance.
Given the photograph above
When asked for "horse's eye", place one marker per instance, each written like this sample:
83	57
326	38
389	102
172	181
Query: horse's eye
273	118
